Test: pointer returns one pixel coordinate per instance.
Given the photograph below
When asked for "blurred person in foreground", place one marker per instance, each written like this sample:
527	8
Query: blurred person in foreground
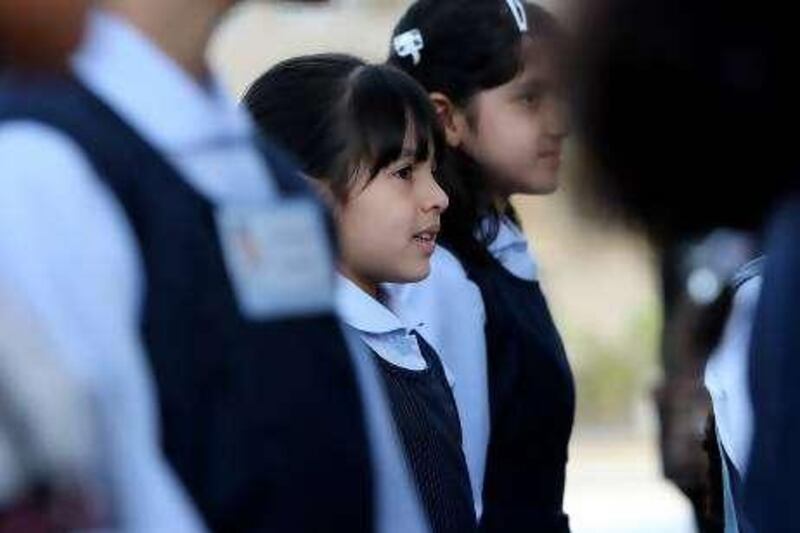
46	438
711	286
678	103
181	272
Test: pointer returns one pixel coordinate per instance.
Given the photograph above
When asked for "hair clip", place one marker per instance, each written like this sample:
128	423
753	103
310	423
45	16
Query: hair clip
520	17
409	43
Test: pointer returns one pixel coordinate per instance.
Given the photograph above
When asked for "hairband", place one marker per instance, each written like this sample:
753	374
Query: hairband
518	11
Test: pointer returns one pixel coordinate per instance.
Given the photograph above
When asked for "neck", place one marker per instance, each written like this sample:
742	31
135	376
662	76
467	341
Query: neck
180	28
363	282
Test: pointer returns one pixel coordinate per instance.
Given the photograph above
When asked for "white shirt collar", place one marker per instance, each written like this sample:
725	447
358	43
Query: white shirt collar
378	326
511	248
363	312
167	106
509	235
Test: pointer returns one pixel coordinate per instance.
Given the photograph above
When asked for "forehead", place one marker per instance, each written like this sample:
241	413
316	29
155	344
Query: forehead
540	59
539	71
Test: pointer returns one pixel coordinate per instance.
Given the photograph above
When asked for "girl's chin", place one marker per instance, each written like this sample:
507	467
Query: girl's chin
412	275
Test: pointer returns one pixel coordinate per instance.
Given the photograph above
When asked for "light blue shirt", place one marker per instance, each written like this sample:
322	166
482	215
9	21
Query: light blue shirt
727	382
727	376
510	248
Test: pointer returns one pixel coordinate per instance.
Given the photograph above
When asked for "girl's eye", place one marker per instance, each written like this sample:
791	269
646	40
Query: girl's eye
404	173
531	99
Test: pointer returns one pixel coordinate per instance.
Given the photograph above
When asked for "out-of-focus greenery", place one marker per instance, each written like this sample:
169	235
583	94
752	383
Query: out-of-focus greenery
614	375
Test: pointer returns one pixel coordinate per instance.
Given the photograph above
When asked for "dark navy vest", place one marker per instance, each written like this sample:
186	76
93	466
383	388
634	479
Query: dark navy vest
532	405
261	420
427	418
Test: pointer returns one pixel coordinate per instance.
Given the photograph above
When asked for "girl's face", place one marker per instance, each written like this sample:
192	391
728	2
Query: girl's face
388	226
517	129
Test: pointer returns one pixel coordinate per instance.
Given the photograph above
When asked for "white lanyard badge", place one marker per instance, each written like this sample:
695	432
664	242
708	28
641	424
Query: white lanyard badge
278	258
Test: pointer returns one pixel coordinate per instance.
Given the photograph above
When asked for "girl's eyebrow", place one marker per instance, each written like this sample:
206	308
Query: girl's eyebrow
534	83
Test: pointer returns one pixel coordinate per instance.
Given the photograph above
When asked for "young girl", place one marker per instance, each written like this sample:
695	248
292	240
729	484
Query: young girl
493	69
367	136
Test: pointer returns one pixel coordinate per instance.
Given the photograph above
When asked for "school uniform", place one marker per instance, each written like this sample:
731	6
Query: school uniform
140	203
727	381
529	393
448	312
423	406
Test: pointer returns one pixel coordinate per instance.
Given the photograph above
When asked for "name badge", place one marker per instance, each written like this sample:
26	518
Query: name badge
279	258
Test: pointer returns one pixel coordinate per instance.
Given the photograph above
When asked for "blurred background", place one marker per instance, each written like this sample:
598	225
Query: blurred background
601	282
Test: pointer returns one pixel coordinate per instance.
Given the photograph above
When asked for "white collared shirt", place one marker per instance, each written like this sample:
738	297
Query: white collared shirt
380	328
727	377
510	248
70	256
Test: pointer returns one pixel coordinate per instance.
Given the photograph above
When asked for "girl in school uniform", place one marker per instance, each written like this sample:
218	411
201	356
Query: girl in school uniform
493	70
367	137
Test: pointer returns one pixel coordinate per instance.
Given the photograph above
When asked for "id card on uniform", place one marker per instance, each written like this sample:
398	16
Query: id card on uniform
279	258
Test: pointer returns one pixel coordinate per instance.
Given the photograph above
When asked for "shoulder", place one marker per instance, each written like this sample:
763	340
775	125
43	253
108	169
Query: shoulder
447	282
37	158
745	302
447	261
445	300
447	272
63	217
48	181
747	293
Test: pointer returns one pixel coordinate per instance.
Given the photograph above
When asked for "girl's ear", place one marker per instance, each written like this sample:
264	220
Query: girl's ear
452	119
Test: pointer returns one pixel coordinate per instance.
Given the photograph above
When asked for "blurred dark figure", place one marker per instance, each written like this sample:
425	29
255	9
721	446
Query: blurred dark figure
697	303
771	495
679	103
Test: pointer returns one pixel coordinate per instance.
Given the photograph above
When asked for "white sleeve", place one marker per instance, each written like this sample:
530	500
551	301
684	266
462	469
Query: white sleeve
451	309
727	376
69	257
